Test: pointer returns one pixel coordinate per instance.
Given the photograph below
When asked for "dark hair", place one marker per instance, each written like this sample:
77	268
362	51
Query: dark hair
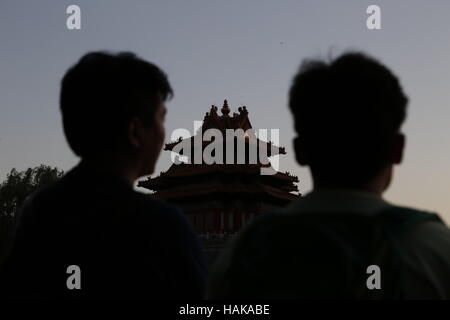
102	92
346	114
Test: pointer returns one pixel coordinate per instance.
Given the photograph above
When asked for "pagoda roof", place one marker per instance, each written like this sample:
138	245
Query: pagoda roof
187	170
238	120
189	180
235	188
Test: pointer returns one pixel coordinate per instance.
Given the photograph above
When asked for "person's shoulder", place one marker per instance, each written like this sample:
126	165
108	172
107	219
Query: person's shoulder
430	227
415	218
426	243
409	213
46	192
157	213
426	231
434	235
41	198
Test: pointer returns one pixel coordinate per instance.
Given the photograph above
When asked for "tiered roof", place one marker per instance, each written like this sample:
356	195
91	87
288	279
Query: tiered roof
239	120
188	180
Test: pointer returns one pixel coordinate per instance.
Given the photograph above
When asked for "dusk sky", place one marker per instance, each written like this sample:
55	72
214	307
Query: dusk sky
244	51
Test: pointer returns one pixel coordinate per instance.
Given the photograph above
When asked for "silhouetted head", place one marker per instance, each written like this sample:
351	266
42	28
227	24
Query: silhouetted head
348	115
113	108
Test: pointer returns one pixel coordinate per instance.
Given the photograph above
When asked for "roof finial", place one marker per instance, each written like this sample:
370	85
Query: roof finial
243	110
213	110
225	109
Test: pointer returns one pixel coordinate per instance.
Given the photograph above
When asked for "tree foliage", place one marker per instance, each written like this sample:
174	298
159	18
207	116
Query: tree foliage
19	185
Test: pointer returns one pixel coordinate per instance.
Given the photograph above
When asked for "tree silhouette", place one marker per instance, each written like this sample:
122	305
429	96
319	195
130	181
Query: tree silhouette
19	185
13	192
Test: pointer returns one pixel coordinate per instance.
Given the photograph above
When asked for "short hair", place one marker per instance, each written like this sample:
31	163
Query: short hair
346	114
100	95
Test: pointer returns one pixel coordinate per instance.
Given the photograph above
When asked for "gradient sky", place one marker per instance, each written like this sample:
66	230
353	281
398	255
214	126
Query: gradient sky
245	51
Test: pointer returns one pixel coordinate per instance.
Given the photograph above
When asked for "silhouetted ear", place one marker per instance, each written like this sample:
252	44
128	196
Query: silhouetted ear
397	148
300	152
134	132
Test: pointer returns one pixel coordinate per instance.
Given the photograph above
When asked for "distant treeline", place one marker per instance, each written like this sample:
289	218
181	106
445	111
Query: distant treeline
14	191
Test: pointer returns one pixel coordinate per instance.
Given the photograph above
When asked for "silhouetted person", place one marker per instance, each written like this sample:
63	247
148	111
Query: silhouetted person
347	115
126	244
